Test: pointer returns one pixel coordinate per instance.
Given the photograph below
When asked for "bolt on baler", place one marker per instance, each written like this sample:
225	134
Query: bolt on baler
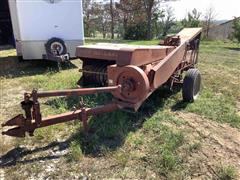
131	73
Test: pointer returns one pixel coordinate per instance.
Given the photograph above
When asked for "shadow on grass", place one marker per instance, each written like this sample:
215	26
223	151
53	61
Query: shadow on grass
11	67
180	105
107	131
233	49
14	156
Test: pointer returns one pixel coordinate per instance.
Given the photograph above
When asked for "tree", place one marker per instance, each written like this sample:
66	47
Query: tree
86	16
192	19
157	24
99	16
143	14
136	31
148	6
131	16
236	27
102	19
209	18
167	21
151	6
112	18
139	12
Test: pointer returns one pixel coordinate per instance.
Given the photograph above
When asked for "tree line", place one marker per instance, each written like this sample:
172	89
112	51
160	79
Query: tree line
129	19
139	19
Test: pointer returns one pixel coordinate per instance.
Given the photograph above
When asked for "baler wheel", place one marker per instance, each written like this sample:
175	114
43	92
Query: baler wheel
191	85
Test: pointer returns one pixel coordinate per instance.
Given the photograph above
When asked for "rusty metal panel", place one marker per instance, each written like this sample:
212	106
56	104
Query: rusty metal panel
124	54
188	34
96	52
134	83
166	67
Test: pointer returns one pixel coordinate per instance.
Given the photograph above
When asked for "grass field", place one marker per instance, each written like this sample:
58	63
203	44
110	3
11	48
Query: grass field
166	139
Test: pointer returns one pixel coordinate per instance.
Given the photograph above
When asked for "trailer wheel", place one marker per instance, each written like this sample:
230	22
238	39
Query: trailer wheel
191	85
56	46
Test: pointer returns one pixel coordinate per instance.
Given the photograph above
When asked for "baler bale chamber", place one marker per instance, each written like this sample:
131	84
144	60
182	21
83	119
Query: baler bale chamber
130	73
111	64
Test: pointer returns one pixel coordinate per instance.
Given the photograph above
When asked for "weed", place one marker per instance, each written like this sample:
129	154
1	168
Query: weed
121	157
194	147
227	173
75	151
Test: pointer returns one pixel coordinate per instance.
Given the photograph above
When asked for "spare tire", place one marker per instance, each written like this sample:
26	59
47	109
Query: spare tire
191	85
56	47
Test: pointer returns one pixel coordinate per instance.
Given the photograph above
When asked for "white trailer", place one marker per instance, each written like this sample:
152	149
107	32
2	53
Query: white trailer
47	29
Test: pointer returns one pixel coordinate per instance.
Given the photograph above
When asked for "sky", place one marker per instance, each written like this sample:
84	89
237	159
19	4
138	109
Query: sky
224	9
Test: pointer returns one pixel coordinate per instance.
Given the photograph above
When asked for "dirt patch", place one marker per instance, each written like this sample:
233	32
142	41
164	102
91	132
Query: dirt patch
216	146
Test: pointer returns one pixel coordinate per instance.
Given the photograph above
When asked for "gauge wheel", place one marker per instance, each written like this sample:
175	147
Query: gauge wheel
191	85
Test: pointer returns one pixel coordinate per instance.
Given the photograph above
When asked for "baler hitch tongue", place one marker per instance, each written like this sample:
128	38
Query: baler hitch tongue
33	119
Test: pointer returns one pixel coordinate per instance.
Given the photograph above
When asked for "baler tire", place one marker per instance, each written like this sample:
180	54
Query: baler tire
191	85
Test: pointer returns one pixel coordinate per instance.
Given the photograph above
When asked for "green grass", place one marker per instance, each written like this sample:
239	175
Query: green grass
141	142
227	173
219	64
75	152
143	42
163	144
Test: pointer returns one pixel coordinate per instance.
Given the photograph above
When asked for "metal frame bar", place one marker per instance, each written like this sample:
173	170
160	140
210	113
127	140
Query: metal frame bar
33	118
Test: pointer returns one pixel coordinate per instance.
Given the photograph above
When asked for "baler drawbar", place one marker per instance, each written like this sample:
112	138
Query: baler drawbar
130	73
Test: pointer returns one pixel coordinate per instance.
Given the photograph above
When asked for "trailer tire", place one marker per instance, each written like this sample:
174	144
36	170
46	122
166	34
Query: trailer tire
59	43
191	85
